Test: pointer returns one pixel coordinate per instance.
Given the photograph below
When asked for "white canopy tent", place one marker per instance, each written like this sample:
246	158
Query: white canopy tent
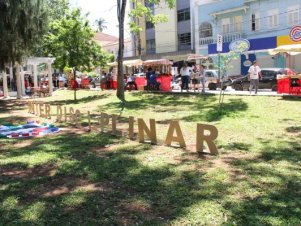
291	49
35	61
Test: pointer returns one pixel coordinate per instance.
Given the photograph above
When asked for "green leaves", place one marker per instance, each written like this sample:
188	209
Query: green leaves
22	24
70	40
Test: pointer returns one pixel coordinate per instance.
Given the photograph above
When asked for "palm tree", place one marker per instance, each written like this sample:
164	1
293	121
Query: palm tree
101	24
22	24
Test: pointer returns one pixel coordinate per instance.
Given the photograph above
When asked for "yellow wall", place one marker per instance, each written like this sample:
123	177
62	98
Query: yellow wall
285	40
166	33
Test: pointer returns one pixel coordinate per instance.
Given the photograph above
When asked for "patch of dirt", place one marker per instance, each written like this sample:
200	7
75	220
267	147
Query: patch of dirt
16	171
72	185
24	143
224	162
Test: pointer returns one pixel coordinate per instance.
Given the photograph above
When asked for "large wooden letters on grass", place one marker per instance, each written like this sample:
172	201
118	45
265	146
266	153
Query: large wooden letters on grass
174	126
205	133
151	132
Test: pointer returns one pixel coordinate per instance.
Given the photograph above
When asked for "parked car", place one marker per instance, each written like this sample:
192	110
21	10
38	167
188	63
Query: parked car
212	80
268	81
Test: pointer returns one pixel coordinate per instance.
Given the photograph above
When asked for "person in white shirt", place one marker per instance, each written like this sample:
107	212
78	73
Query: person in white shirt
254	74
185	76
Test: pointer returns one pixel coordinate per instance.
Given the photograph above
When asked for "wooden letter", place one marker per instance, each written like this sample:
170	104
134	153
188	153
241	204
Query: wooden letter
59	113
30	106
65	114
201	137
77	118
175	126
104	121
41	106
114	122
71	115
47	111
89	120
151	133
131	127
37	109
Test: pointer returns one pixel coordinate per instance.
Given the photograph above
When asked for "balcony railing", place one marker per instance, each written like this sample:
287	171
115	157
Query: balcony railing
205	41
232	36
226	38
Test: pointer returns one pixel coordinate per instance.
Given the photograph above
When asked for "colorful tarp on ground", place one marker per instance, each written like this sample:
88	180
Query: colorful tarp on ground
30	129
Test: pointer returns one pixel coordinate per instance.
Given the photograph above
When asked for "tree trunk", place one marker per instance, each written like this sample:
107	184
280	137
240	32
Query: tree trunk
5	88
74	78
121	5
18	81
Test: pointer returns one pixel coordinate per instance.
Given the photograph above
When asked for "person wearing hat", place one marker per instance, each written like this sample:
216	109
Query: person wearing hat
254	74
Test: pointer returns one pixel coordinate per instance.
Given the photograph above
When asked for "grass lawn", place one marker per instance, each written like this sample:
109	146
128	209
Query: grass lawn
81	178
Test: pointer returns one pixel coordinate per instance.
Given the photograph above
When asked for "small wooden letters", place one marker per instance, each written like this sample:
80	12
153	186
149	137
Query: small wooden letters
205	133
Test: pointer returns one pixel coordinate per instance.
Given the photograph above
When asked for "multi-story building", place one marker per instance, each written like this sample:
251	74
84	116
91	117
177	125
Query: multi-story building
172	40
266	24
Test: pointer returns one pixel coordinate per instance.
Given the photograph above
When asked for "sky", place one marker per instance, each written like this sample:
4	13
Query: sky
105	9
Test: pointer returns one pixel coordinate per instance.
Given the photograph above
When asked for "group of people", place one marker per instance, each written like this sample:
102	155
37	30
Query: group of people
197	76
151	79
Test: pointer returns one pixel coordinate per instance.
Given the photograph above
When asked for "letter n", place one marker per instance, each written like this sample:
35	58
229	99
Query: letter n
151	132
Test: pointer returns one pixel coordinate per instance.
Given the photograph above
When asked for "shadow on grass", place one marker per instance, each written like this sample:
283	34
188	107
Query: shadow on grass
274	179
86	182
163	102
212	113
15	120
7	106
237	146
292	98
79	101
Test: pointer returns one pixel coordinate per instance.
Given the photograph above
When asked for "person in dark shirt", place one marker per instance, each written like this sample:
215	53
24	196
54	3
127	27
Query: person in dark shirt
153	81
148	75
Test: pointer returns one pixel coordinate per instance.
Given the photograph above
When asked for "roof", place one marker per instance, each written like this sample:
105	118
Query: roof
104	39
244	8
116	43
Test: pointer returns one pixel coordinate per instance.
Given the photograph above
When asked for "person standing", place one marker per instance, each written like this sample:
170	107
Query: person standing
185	76
254	74
148	75
202	77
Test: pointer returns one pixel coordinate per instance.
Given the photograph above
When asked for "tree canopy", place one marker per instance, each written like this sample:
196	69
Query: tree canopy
70	41
22	24
101	24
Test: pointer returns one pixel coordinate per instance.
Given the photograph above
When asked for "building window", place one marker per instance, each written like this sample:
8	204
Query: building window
293	15
149	25
237	24
273	18
183	14
205	30
255	22
149	4
184	41
151	46
226	25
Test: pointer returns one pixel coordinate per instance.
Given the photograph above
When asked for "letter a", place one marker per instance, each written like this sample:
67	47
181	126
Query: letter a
175	126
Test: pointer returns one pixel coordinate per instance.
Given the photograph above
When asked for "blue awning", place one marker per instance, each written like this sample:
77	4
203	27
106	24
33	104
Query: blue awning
255	44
